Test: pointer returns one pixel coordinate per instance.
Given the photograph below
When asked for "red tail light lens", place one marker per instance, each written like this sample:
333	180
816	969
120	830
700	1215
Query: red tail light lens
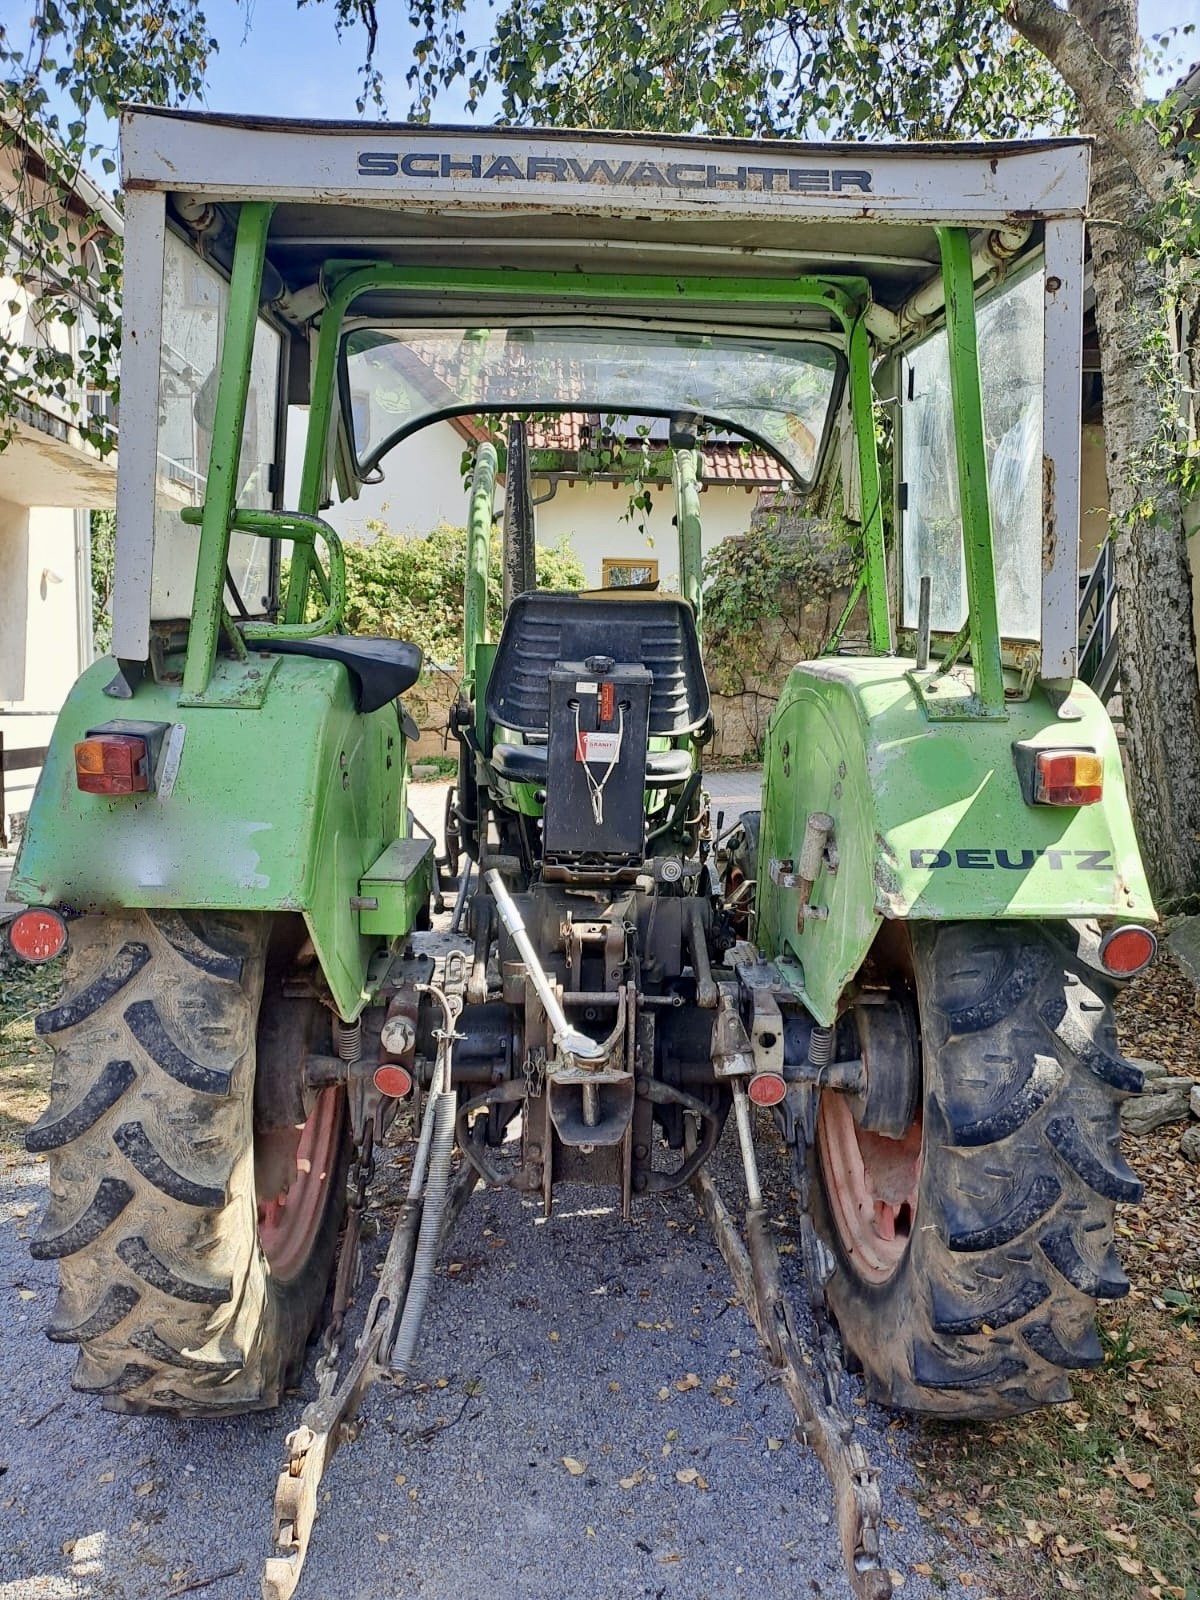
1068	778
394	1081
37	935
112	763
1127	950
766	1088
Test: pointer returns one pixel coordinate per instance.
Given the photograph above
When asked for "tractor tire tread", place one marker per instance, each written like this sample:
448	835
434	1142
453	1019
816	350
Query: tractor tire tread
995	1296
163	1283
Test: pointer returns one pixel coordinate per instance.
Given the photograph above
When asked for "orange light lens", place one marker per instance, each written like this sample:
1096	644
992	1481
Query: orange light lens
112	763
1127	950
1068	778
37	935
394	1081
766	1088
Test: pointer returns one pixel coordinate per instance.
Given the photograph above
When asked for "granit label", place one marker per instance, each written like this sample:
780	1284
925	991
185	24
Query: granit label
613	174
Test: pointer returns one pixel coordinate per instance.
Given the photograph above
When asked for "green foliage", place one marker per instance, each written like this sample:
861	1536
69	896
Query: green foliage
771	598
104	551
61	330
412	587
64	71
841	68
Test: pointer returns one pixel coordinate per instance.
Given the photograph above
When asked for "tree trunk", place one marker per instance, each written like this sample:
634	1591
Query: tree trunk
1159	681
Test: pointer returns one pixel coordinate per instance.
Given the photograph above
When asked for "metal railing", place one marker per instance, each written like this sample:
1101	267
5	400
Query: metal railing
1099	652
28	759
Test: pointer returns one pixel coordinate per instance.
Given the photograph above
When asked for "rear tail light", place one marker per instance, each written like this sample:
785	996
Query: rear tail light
393	1080
1127	950
1068	778
112	763
37	935
766	1088
119	757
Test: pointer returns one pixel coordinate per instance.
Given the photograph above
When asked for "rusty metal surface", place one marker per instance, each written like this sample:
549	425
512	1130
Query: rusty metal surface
822	1425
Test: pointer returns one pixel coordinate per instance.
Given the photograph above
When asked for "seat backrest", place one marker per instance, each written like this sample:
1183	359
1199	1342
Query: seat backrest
543	628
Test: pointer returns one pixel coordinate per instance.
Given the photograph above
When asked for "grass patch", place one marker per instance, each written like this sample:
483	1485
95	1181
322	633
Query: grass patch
1101	1497
24	1059
1098	1497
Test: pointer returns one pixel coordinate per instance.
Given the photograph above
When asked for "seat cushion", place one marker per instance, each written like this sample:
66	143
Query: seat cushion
526	763
380	669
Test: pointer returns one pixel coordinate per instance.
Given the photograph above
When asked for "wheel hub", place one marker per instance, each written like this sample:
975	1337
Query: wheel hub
872	1184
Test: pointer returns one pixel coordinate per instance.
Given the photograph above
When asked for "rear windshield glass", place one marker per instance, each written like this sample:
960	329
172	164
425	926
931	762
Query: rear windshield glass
777	391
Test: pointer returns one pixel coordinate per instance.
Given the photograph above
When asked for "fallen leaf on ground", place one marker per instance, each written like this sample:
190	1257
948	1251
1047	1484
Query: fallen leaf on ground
692	1477
574	1467
690	1380
632	1481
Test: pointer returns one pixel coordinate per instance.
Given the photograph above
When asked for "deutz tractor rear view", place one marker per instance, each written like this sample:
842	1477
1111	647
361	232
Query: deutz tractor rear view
908	955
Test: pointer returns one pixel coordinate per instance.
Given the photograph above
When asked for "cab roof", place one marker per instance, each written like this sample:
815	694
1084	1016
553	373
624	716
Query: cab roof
551	199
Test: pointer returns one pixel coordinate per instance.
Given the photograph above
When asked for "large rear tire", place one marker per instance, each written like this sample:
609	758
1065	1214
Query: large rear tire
971	1253
154	1207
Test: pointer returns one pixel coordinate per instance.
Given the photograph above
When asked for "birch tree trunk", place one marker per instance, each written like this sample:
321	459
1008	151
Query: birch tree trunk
1159	682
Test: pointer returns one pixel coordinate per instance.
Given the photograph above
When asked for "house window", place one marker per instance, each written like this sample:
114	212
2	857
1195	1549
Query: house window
625	574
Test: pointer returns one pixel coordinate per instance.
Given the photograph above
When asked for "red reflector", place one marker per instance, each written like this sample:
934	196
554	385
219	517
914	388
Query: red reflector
1125	951
394	1081
766	1088
112	763
37	934
1068	778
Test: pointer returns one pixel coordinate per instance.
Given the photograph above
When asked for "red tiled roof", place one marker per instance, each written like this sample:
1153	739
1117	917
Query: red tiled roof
724	461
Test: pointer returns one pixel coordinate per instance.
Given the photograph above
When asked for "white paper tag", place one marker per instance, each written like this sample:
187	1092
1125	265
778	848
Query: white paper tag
586	688
597	746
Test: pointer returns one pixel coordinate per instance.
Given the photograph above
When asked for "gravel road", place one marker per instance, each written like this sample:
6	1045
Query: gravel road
569	1339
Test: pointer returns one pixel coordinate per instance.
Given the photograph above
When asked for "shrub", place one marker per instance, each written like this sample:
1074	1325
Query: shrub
411	587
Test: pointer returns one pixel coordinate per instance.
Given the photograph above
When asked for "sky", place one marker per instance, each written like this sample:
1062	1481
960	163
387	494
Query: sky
276	59
289	61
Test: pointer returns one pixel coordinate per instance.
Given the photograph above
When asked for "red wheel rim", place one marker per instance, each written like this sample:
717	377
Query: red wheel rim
871	1184
288	1222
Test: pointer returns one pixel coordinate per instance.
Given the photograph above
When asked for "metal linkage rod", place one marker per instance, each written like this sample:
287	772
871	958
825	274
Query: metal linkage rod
426	1219
823	1426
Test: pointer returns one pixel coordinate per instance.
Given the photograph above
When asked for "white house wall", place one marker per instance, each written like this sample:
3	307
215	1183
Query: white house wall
40	632
423	486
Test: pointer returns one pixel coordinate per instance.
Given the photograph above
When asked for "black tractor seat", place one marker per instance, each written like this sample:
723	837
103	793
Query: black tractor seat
380	669
526	763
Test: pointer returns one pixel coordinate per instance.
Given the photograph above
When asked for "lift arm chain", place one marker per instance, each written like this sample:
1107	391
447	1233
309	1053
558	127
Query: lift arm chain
332	1419
823	1425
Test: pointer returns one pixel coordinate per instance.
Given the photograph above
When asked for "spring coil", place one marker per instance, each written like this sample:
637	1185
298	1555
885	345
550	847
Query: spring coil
820	1047
347	1040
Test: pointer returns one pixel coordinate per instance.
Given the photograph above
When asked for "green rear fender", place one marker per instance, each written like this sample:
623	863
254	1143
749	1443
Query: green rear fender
279	807
929	819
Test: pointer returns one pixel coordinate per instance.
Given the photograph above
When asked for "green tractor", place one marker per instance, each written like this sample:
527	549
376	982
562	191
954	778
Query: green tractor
907	956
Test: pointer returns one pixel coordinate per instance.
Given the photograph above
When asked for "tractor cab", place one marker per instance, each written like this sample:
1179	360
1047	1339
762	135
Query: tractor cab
905	957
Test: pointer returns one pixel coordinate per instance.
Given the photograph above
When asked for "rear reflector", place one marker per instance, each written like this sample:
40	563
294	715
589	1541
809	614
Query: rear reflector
766	1088
1068	778
37	934
1127	950
112	763
394	1081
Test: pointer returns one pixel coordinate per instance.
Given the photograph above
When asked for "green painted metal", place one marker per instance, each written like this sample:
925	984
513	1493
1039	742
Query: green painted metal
283	807
220	491
480	516
684	476
862	413
303	532
971	456
400	884
929	819
839	627
845	298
